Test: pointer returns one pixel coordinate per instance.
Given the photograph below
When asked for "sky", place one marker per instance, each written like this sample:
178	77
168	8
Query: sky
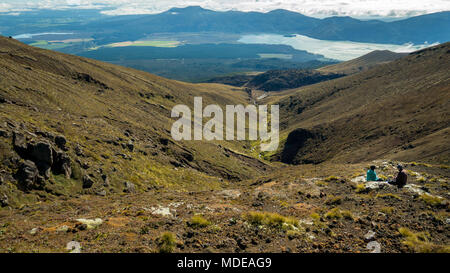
315	8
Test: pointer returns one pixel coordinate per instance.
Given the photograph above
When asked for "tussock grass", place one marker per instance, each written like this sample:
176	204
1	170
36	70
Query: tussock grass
337	213
166	242
271	220
388	196
361	188
419	242
198	221
331	178
387	210
434	201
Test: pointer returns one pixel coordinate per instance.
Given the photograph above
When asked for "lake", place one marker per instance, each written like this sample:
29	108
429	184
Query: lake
338	50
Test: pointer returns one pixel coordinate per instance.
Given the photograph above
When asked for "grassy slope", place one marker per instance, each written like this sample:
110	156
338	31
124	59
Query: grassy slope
46	94
363	63
396	110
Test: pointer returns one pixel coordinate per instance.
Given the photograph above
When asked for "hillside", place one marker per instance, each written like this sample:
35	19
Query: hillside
363	63
103	121
396	110
276	80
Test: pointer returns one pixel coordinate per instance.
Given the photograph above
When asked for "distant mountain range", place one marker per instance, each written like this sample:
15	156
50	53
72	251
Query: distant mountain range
429	28
426	28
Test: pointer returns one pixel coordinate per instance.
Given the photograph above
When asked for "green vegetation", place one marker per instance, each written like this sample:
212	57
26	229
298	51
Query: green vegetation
331	178
387	210
198	221
337	213
166	242
271	220
361	188
419	242
388	196
432	200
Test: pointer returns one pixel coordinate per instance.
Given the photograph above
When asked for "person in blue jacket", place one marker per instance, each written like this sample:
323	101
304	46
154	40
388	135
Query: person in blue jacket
372	175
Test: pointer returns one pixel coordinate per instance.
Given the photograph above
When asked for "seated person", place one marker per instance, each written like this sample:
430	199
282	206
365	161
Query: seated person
401	178
372	175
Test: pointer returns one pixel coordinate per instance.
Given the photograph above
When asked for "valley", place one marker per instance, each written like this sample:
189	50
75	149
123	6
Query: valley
88	163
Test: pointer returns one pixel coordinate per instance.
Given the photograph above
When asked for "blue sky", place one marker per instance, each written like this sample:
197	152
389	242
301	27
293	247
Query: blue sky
316	8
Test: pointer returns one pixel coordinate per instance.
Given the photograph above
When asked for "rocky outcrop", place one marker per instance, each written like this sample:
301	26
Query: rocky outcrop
129	187
28	176
61	141
87	181
41	157
61	164
41	154
296	140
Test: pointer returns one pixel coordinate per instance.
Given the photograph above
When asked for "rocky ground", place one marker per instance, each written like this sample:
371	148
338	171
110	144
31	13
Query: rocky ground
308	208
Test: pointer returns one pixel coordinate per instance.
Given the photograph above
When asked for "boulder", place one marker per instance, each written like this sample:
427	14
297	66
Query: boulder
73	247
230	194
87	181
105	180
28	176
61	141
61	164
130	145
41	153
78	150
4	133
4	200
129	187
20	143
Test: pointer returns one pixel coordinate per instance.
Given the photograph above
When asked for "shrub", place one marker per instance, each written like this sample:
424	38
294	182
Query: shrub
382	177
336	200
434	201
337	213
419	242
331	178
292	234
361	188
387	210
166	242
198	221
388	196
272	220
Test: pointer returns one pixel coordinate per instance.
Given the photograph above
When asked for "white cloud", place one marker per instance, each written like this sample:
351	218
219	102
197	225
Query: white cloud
317	8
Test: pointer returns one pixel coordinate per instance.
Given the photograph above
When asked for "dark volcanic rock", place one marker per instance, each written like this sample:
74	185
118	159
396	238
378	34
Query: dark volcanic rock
20	144
61	164
28	176
105	180
296	140
4	201
4	133
78	150
87	181
61	141
41	154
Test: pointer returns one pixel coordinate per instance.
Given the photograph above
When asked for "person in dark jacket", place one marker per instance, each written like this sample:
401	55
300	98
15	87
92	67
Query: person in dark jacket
401	178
